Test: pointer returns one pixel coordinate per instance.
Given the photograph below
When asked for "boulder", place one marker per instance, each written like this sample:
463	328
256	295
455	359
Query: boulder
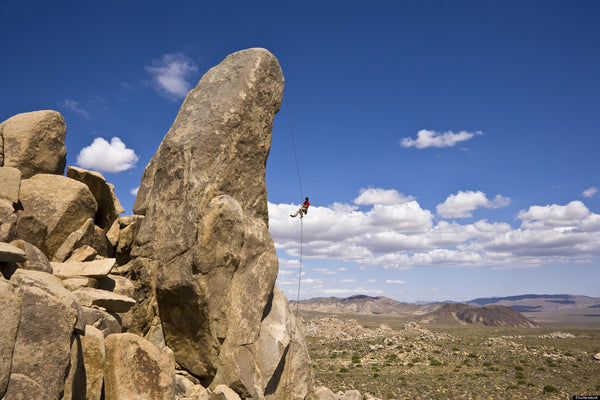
10	313
109	207
10	184
222	392
597	356
283	354
130	225
53	207
112	302
216	260
106	322
34	143
83	254
75	381
36	260
48	311
92	269
11	254
8	226
93	359
117	284
81	237
78	282
323	393
135	369
101	244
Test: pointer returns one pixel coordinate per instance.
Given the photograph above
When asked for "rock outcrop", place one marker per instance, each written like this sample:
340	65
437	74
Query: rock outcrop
34	143
208	228
176	302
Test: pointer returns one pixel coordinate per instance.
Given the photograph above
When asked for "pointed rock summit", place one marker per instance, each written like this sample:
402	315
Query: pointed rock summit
204	245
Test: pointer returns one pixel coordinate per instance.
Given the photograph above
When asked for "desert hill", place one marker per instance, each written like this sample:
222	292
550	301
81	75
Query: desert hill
362	304
463	314
539	302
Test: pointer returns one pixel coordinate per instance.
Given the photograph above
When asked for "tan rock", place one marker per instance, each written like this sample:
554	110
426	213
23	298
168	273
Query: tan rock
324	393
222	392
93	358
109	207
117	284
78	282
92	269
11	254
81	237
10	313
34	142
113	233
36	260
75	381
48	311
8	227
597	356
106	322
136	369
10	185
130	225
23	387
53	207
352	395
206	226
83	254
101	244
112	302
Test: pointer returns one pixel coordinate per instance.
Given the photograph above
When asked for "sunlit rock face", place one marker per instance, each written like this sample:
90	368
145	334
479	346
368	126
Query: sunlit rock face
204	243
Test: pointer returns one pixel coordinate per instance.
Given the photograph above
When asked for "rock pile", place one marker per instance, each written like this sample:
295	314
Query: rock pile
175	302
336	329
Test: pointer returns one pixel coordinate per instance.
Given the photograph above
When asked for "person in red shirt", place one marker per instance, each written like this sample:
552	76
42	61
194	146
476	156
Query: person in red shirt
302	210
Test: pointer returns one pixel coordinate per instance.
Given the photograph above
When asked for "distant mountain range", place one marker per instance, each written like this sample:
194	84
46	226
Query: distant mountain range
524	310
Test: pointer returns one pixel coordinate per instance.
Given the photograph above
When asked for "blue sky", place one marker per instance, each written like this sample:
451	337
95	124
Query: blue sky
450	149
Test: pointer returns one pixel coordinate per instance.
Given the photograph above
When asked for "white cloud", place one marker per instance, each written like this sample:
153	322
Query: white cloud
461	205
589	192
171	75
395	281
134	191
403	236
324	271
107	157
427	138
381	196
75	107
347	280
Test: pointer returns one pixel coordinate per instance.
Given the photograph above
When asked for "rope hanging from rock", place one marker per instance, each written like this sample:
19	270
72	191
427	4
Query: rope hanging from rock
288	364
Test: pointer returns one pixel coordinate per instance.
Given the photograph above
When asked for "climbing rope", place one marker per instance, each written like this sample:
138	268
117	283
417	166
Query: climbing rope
296	325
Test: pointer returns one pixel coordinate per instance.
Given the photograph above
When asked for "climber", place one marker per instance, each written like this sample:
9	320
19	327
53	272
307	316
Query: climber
302	210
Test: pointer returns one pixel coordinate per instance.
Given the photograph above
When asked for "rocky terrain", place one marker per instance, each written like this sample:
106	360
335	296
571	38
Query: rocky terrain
177	301
410	361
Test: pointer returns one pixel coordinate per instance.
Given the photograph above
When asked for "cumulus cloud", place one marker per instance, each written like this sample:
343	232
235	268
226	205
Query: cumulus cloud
461	205
381	196
403	235
171	75
427	138
107	157
134	191
589	192
395	281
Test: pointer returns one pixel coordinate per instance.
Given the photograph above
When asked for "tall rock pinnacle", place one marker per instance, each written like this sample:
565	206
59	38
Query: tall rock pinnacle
204	242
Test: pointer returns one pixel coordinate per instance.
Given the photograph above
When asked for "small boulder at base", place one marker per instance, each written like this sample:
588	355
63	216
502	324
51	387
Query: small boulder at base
34	142
222	392
324	393
135	369
92	345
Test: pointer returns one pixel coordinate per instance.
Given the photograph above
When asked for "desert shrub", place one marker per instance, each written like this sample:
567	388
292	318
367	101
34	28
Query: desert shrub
434	363
473	355
343	369
550	389
519	375
375	375
487	364
518	368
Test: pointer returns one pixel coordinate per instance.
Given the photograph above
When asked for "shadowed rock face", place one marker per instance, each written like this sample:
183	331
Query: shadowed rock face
205	201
